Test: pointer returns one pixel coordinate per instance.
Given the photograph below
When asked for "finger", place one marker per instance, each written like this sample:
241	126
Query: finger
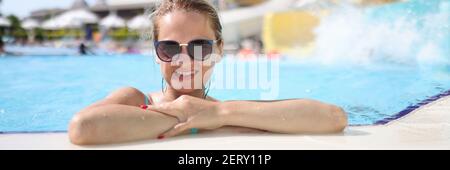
165	109
162	108
178	129
170	110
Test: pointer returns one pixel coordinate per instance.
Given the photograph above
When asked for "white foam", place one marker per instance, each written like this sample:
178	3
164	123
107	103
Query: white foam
350	36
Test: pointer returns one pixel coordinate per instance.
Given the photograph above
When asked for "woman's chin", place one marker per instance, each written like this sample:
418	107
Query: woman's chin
185	91
186	86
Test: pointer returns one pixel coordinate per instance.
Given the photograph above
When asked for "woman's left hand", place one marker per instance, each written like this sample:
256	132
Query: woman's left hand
191	112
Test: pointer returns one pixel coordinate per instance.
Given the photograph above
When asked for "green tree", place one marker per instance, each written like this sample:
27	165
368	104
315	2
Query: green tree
16	28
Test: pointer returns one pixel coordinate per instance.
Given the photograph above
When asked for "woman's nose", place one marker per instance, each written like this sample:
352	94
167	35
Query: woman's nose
184	50
183	58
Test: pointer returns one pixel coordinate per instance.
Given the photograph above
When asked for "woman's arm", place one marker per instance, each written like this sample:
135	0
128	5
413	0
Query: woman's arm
118	118
286	116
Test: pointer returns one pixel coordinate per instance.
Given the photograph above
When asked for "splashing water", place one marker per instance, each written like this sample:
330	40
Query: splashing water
413	33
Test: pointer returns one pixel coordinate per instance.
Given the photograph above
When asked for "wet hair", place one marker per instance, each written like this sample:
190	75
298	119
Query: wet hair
200	6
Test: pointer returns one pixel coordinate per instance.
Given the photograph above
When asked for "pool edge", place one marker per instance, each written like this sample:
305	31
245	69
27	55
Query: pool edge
412	108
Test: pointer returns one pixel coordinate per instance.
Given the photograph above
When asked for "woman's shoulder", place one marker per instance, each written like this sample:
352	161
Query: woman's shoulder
125	95
127	92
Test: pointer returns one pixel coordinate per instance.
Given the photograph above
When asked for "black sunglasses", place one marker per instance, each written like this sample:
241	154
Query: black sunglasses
167	49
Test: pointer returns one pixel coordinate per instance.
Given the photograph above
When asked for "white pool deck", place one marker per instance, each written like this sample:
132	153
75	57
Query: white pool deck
425	128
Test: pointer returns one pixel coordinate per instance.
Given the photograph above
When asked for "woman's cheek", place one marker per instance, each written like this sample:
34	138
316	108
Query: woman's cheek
167	71
206	73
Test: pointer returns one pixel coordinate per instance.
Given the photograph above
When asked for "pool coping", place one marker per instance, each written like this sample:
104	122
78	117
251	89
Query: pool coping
412	108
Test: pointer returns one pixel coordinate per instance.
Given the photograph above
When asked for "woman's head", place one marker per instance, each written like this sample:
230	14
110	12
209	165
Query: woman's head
193	22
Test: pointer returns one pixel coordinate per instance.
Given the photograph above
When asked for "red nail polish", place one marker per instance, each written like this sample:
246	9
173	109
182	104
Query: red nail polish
161	137
144	106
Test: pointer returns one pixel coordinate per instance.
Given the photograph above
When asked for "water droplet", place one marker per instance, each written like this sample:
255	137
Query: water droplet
283	118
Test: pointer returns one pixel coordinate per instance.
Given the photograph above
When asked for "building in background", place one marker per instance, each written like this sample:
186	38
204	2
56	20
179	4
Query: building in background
127	9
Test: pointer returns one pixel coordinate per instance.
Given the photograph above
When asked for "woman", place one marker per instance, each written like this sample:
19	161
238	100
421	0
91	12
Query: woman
180	26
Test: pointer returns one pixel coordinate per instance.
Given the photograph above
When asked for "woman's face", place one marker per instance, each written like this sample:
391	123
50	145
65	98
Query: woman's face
185	74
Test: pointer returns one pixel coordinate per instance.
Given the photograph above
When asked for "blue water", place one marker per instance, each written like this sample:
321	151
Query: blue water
41	93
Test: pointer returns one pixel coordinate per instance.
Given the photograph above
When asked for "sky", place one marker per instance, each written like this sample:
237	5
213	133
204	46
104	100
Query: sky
22	8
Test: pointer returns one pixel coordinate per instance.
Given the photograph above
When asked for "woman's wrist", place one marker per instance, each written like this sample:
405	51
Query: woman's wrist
224	113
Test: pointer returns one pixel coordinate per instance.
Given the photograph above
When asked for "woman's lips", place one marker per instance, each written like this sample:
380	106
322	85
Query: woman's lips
183	75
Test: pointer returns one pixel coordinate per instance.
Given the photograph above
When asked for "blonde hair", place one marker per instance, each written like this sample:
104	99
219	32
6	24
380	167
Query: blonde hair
200	6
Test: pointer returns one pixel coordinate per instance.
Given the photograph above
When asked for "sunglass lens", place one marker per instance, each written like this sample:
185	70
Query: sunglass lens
167	49
200	49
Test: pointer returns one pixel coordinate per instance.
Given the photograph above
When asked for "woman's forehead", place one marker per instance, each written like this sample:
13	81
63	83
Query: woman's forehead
185	26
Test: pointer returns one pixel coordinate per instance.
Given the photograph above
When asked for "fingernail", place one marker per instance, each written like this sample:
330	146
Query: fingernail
161	137
144	106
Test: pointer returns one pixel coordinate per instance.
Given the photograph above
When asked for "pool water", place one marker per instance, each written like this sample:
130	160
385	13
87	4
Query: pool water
43	93
398	64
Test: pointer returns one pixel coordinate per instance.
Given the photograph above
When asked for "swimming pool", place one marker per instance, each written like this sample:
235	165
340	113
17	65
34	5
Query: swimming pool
393	68
43	93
